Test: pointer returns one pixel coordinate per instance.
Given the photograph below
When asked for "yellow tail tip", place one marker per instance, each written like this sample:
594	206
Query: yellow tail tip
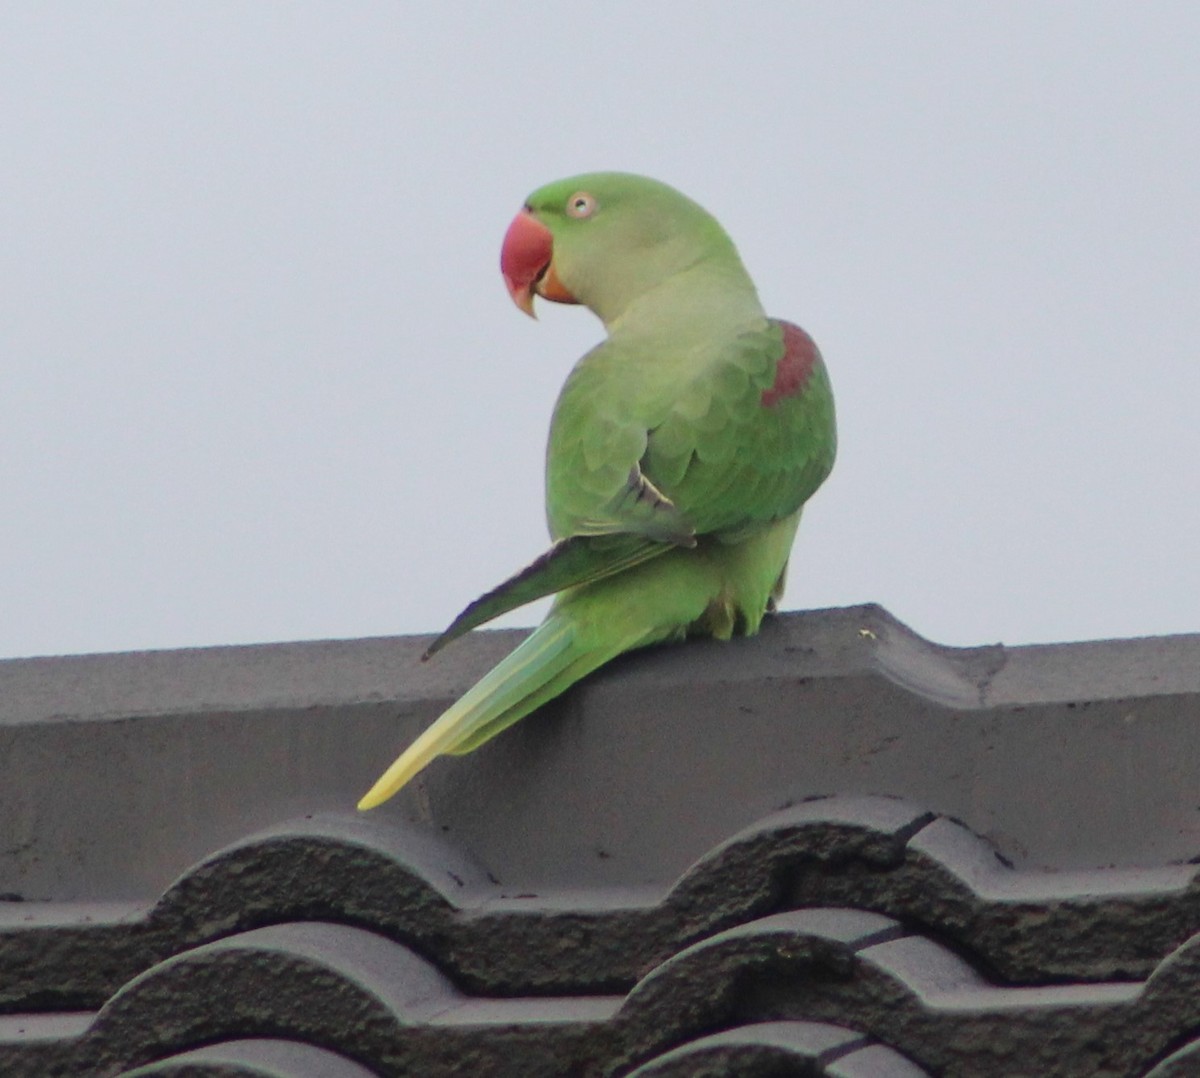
384	790
396	777
371	800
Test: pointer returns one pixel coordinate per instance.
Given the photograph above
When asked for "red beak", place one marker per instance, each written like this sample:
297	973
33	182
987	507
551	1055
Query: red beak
527	263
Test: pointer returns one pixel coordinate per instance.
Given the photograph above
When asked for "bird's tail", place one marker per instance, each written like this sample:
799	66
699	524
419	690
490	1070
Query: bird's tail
549	661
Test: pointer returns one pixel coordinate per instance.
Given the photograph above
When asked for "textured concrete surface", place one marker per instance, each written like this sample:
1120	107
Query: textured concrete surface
836	850
1067	756
781	1048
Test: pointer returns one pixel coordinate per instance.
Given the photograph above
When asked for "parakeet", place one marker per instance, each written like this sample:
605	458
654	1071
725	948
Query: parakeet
681	449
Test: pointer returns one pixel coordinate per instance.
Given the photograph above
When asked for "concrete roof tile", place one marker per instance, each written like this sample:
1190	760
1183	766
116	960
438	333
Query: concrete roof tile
816	1049
254	1058
838	849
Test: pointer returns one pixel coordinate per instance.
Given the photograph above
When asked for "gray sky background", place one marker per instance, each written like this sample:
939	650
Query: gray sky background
260	380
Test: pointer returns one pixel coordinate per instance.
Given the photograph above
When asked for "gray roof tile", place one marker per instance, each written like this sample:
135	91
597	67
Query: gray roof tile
999	885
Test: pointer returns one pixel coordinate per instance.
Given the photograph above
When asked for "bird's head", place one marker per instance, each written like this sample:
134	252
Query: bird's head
605	239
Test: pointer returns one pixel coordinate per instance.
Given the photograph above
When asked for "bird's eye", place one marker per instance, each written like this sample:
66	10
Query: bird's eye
581	204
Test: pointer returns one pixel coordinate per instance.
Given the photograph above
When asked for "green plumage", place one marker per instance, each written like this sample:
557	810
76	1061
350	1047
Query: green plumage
681	451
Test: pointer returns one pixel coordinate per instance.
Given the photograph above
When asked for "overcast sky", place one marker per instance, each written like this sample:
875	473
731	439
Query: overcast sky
260	379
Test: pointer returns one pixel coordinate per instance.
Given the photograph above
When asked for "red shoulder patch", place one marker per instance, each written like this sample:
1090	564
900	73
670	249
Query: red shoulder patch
795	366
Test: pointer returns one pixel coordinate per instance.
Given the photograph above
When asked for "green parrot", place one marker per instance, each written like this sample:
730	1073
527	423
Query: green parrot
682	449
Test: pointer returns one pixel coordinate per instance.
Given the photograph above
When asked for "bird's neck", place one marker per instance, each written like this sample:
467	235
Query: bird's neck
697	300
